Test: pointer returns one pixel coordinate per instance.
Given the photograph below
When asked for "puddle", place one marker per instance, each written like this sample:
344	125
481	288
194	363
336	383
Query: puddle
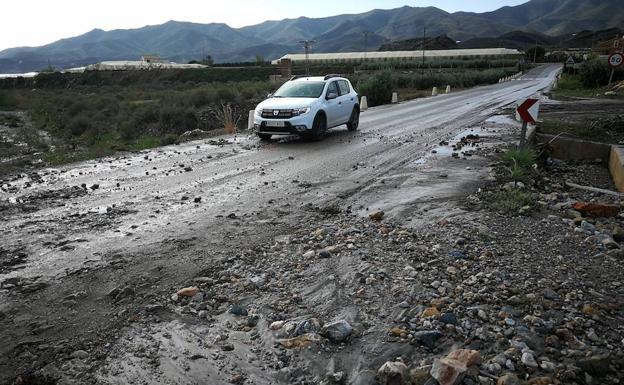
462	144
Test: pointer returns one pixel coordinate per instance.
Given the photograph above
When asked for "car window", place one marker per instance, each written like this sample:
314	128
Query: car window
333	88
301	89
344	87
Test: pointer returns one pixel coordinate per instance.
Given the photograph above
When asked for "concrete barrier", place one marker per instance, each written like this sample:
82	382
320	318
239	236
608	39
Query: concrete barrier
575	149
434	91
363	104
616	166
395	98
250	121
448	89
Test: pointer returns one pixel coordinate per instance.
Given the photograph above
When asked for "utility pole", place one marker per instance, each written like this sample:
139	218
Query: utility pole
535	53
366	33
307	44
423	48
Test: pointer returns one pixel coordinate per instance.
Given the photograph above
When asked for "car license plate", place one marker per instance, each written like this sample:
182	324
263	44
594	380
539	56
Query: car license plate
275	123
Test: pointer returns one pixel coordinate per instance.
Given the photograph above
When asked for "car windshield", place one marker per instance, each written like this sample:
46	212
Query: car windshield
300	89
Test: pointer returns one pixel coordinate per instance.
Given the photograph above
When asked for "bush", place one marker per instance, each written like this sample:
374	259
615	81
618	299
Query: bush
511	200
595	73
377	89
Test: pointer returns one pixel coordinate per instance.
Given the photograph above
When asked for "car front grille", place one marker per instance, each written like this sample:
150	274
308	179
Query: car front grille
281	114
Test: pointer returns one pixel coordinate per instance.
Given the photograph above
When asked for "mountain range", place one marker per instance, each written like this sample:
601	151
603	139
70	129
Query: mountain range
184	41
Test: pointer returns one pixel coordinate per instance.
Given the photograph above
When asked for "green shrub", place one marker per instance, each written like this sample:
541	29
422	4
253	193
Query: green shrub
511	200
595	73
520	157
378	89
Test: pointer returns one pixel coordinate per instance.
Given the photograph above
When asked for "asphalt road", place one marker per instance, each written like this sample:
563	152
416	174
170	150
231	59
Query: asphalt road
212	194
243	177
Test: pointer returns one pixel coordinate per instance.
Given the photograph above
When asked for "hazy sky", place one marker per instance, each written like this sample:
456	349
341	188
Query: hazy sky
38	22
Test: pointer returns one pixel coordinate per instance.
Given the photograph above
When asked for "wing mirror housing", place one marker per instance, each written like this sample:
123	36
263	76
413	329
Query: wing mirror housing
331	95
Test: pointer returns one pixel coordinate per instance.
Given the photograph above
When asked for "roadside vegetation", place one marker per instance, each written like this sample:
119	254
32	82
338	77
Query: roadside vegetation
98	113
518	166
591	80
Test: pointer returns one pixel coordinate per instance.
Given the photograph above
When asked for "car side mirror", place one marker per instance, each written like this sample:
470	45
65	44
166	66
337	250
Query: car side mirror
331	95
269	96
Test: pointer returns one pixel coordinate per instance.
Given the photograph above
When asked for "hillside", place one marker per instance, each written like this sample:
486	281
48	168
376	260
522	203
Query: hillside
182	41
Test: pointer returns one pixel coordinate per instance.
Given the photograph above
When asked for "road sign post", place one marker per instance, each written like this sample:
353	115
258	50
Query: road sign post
528	111
615	60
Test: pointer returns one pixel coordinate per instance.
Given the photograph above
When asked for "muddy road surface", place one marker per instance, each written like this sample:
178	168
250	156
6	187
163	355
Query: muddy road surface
91	253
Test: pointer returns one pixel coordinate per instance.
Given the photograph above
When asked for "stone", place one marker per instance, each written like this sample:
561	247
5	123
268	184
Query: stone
508	379
309	254
551	294
528	360
298	342
597	210
377	215
449	318
586	226
447	371
420	375
430	312
188	291
392	373
597	366
238	310
337	331
324	253
80	354
428	338
451	369
277	325
541	381
366	377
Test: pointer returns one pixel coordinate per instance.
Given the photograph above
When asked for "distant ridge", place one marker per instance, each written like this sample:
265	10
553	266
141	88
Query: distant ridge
182	41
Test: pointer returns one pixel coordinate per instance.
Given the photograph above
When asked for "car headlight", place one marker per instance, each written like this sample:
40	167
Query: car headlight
300	111
258	111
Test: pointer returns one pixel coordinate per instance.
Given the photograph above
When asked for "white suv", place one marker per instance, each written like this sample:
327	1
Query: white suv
308	106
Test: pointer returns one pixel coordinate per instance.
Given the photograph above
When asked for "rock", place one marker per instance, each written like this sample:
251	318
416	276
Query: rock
618	235
392	373
448	372
94	186
597	366
324	254
80	354
448	318
188	291
467	357
508	379
197	199
377	215
337	331
298	342
366	377
586	226
597	210
528	360
420	375
277	325
551	294
541	381
428	338
309	254
238	310
430	312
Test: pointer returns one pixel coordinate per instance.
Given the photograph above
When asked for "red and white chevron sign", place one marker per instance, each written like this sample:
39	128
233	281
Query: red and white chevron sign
528	110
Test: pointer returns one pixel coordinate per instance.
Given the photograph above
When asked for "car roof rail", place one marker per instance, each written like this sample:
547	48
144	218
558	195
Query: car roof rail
330	76
295	77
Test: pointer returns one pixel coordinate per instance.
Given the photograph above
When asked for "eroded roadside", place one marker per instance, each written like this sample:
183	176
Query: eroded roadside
325	294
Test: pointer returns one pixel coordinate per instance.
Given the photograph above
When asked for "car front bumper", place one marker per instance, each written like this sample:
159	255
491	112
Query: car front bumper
295	125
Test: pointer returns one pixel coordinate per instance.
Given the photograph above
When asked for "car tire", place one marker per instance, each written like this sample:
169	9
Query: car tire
319	127
354	121
264	137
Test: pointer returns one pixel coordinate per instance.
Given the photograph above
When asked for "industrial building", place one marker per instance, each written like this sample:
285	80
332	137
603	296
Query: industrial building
358	57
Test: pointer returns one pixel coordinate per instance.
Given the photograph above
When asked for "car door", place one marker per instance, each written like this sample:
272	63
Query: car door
347	101
333	106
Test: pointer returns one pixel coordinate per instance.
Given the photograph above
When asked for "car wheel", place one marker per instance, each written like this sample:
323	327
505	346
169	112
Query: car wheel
264	137
354	121
319	126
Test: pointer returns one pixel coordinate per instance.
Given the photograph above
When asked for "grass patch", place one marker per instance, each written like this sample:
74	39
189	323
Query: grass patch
519	163
575	86
511	201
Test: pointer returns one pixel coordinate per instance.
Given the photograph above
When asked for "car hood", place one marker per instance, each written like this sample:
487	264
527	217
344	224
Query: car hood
286	103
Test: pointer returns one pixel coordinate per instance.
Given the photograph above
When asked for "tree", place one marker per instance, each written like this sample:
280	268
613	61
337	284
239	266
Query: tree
208	61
